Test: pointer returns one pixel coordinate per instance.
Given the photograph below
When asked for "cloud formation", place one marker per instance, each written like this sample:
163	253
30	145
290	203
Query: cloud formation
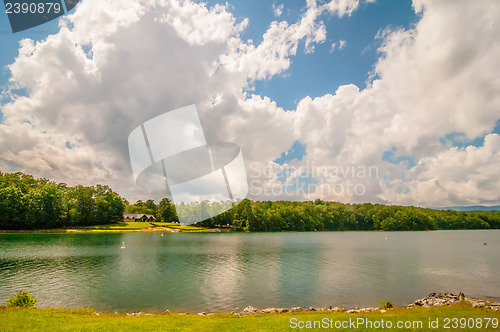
115	64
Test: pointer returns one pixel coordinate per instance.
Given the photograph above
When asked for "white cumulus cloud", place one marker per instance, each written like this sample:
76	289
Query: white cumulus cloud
115	64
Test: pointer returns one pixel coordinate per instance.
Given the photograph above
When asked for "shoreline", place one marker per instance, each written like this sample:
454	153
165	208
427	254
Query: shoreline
104	231
432	300
397	319
77	231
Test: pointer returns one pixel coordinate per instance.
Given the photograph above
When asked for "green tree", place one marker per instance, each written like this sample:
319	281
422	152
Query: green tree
165	211
13	208
150	204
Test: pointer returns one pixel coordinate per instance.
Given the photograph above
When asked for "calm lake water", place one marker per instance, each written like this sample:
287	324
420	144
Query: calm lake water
223	272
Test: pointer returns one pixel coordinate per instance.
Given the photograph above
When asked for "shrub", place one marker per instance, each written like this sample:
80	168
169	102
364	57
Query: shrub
22	299
386	305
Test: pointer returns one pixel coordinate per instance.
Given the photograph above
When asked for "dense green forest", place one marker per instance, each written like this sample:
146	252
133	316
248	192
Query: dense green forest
331	216
29	203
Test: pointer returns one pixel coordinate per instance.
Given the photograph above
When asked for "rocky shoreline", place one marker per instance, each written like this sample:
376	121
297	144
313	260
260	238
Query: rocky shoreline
432	300
439	299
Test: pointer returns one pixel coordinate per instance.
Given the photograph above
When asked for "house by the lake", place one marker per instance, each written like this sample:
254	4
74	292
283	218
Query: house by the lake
138	217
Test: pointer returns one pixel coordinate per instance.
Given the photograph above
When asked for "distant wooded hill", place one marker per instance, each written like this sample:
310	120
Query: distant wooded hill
471	208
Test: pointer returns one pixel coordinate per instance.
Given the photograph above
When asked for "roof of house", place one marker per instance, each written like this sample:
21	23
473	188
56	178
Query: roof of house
137	215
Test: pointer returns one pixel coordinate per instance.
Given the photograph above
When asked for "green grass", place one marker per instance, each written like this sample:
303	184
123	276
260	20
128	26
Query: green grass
123	226
166	224
194	228
118	226
182	228
85	320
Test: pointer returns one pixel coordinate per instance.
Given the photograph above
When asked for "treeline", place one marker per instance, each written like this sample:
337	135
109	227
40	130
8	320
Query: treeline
29	203
267	216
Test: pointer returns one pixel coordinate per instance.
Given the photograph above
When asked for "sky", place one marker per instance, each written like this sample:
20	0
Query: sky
393	102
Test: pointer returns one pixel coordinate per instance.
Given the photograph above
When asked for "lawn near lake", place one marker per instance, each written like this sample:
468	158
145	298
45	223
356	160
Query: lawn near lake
137	226
122	226
12	319
182	228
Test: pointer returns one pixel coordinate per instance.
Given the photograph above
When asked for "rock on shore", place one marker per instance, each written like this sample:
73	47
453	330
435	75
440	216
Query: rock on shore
439	299
433	300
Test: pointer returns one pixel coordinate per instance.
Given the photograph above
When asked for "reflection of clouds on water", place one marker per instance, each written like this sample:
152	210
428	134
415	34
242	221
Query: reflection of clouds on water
240	272
263	270
362	268
223	275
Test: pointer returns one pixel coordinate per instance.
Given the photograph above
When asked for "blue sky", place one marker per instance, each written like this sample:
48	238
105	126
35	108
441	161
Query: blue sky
321	72
10	41
352	64
10	46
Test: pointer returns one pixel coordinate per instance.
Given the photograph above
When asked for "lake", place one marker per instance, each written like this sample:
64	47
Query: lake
223	272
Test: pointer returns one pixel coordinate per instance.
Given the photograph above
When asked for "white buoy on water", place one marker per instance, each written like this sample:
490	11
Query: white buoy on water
123	245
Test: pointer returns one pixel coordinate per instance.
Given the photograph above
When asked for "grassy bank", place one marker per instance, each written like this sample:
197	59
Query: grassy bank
86	320
122	227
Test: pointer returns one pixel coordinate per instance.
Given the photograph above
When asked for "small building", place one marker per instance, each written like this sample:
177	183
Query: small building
138	217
